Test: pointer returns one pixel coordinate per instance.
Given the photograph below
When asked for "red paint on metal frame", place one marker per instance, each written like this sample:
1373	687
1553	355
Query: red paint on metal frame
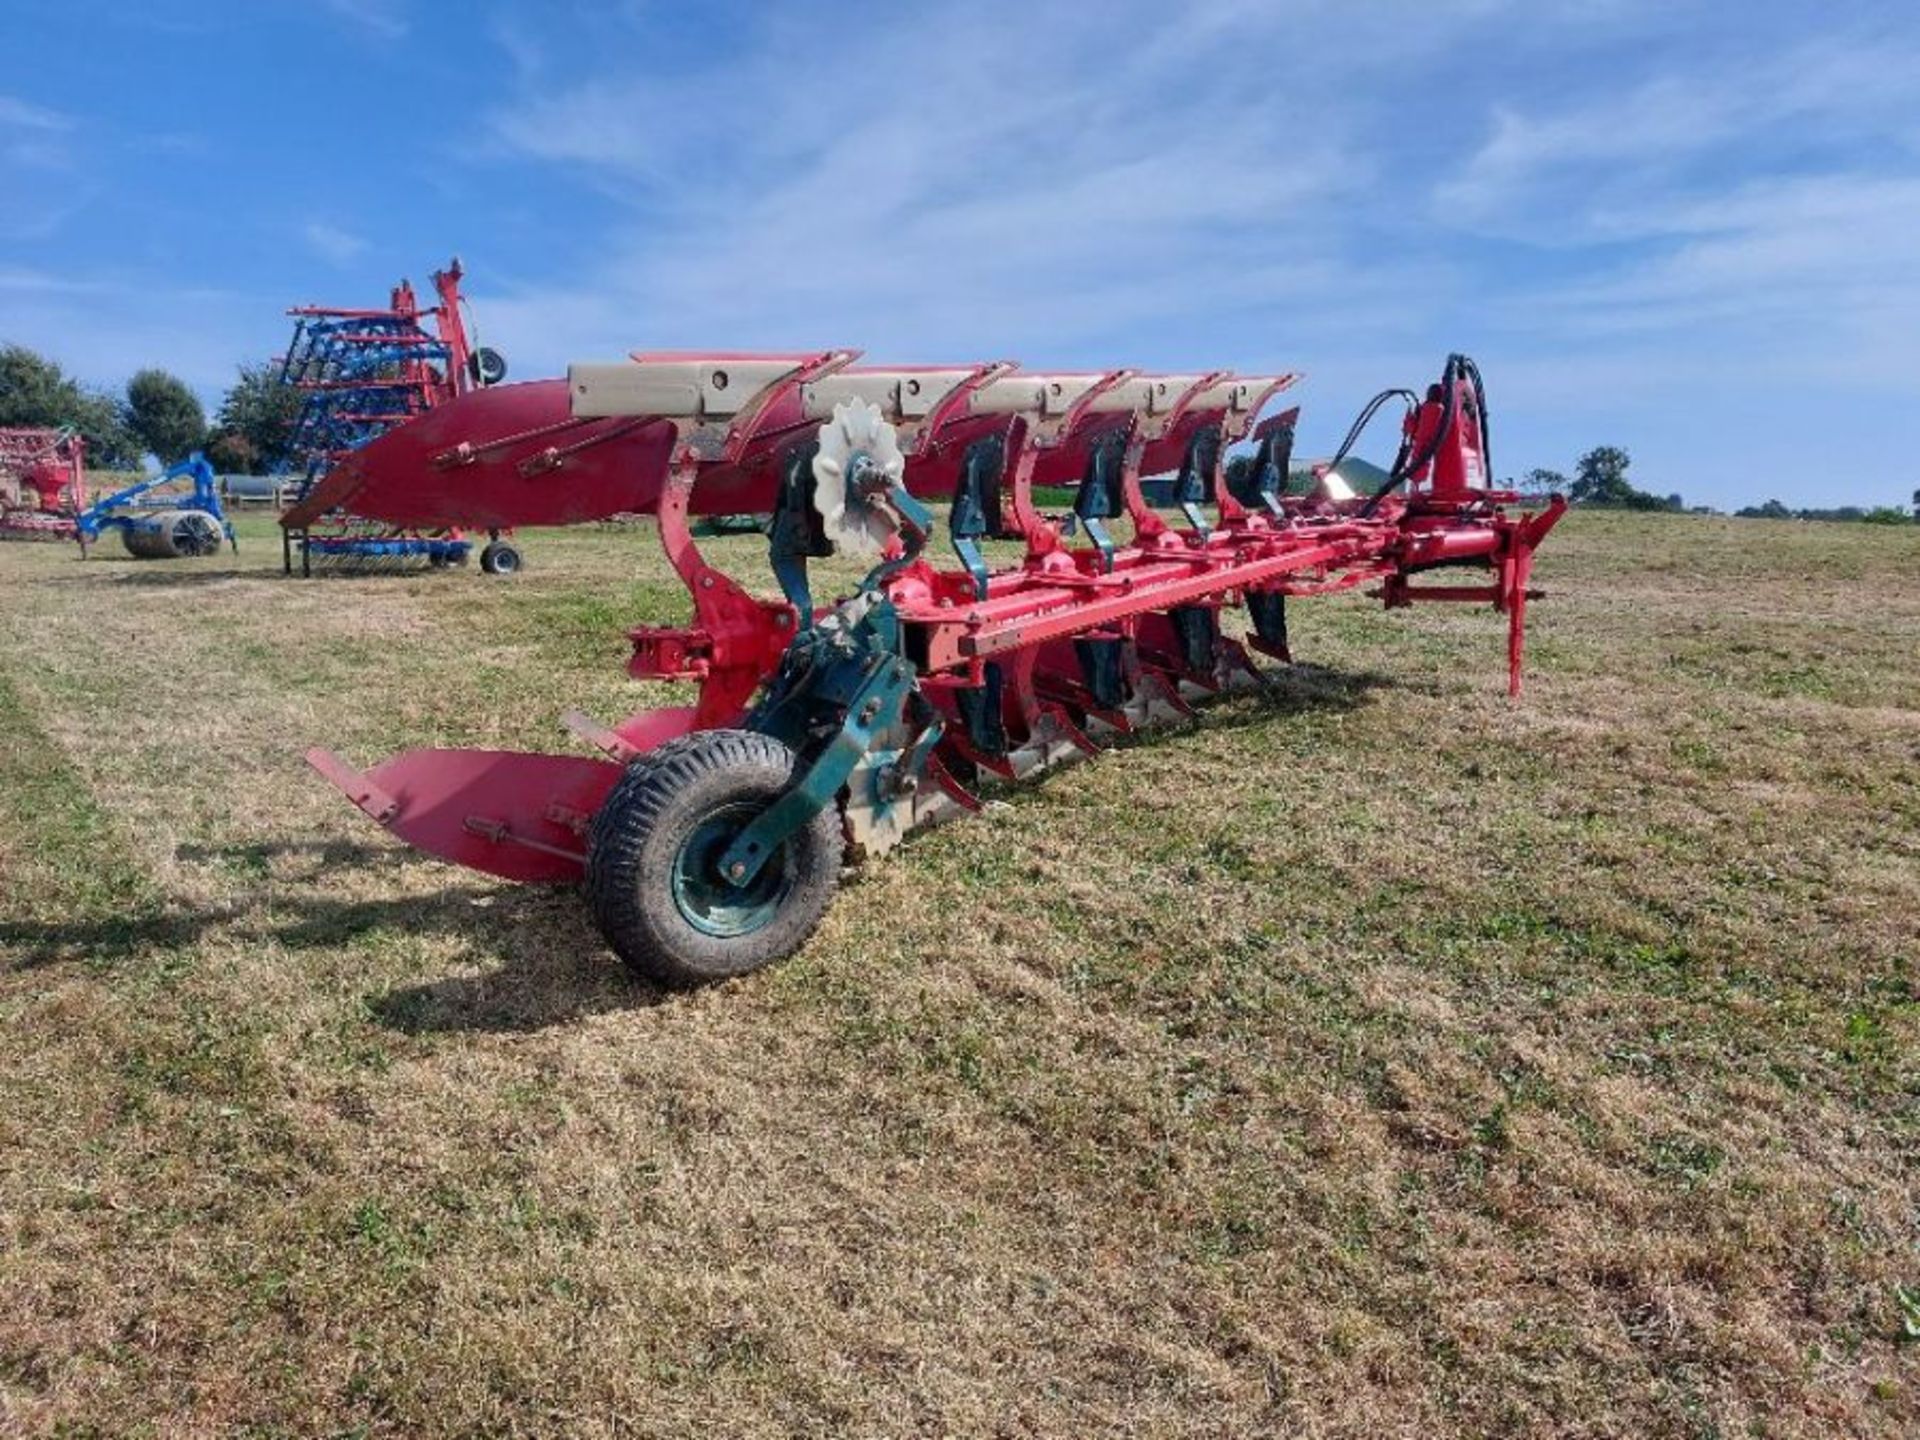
515	455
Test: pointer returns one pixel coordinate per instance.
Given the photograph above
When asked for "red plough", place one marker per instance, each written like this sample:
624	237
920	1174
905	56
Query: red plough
710	836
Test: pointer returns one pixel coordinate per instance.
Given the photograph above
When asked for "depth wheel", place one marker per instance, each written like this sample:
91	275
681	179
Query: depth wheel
652	861
500	558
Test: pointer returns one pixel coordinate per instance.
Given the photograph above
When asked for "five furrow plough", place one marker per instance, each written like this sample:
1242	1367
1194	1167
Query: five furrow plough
710	836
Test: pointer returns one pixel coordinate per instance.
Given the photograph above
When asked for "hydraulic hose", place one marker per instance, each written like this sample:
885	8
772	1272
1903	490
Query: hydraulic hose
1365	419
1458	367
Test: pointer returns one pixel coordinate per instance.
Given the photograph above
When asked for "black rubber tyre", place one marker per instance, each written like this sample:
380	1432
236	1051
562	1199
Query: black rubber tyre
500	558
487	366
668	915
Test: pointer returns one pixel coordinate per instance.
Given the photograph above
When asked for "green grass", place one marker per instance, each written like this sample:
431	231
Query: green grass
59	847
1374	1057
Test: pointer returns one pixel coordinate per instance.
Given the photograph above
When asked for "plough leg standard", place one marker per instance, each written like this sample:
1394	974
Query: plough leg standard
711	836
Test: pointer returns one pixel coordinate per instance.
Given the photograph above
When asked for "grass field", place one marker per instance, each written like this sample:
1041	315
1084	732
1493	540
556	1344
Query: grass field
1374	1059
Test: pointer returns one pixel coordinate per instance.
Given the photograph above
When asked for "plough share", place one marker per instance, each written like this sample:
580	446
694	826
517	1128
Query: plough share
711	836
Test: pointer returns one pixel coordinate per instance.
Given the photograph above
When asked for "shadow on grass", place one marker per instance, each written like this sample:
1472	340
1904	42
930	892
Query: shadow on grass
554	966
556	969
105	938
100	940
1288	690
159	573
1295	689
124	570
361	854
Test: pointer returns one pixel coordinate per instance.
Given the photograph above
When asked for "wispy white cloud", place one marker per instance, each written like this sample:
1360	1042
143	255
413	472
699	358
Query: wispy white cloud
37	211
331	243
171	142
1707	236
25	115
23	280
1041	197
383	19
1580	162
105	325
521	45
1779	281
36	172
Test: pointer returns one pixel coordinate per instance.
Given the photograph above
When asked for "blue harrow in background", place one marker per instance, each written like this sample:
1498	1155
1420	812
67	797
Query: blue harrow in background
363	373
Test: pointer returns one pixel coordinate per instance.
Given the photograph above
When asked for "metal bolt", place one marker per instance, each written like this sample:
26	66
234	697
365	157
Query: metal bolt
737	870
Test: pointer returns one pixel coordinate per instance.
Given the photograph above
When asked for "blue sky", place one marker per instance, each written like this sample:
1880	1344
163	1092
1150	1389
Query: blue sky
1692	230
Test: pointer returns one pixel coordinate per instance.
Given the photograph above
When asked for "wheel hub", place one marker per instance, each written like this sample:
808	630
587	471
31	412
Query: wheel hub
707	899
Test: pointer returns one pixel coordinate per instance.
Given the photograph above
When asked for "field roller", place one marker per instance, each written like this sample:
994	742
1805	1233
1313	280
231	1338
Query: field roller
710	837
173	515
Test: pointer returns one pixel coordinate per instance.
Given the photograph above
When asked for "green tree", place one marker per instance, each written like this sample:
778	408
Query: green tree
255	421
1543	482
1600	480
165	415
36	391
1600	477
231	453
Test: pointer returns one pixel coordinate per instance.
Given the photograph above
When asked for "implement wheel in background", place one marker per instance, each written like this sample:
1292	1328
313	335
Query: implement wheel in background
487	366
500	558
652	861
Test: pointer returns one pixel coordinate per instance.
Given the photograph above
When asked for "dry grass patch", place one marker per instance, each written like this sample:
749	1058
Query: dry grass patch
1376	1058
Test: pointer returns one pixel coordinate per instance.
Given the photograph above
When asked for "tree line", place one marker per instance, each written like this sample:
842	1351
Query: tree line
156	414
1844	514
1600	483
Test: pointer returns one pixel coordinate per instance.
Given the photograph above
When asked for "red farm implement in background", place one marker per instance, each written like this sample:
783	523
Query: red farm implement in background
364	373
43	484
710	836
